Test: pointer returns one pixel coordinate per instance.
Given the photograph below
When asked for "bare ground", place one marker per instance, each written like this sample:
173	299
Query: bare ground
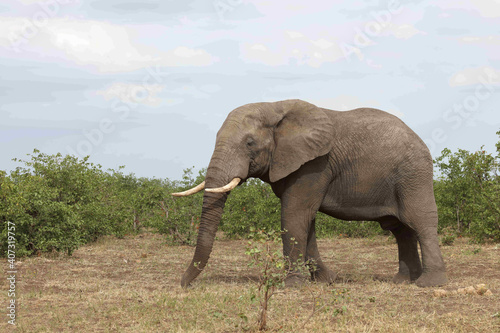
132	285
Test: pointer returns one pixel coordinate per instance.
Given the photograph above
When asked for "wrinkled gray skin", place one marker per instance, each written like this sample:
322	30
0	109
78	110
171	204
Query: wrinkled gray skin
363	164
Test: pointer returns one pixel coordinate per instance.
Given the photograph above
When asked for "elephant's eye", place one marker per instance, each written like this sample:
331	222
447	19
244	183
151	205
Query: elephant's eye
250	142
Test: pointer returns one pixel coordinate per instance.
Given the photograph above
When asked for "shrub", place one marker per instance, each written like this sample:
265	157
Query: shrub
59	203
251	205
448	236
56	204
468	193
178	217
265	254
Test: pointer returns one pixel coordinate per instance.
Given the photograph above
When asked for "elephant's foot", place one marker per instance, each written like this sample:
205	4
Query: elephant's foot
401	278
324	275
432	279
295	280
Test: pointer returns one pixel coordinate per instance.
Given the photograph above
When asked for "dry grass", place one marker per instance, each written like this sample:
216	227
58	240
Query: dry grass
132	285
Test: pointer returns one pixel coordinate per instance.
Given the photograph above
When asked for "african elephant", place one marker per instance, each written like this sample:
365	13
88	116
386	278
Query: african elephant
363	164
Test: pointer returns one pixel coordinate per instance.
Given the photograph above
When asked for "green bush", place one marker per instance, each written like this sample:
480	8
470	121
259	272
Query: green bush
251	205
468	193
59	203
178	217
56	204
41	222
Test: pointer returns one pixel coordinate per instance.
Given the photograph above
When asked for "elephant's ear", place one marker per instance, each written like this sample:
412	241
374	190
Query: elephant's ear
304	133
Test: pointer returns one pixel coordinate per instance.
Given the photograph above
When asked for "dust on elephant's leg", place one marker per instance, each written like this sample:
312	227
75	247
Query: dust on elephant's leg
319	271
410	267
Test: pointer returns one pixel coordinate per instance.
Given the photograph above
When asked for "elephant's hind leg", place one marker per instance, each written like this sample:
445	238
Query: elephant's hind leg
410	267
319	271
423	220
434	271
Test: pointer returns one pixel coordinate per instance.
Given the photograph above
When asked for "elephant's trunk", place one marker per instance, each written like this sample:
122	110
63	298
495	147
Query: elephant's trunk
213	205
224	166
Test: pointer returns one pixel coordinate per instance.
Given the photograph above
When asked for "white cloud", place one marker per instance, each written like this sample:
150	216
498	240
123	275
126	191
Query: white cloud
484	40
186	52
185	56
147	94
259	47
193	91
477	75
292	47
322	43
106	46
279	9
485	8
50	3
402	31
133	93
294	34
30	2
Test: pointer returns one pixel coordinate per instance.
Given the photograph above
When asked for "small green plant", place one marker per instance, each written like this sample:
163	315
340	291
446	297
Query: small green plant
448	236
265	252
339	296
329	301
470	252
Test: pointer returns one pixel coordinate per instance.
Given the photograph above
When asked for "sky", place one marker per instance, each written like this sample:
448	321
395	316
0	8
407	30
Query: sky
147	84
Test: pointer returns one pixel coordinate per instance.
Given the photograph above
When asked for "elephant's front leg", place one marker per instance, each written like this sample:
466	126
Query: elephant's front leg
319	271
299	205
301	195
296	220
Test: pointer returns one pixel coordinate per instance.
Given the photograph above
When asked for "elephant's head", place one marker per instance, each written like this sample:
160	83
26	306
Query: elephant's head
264	140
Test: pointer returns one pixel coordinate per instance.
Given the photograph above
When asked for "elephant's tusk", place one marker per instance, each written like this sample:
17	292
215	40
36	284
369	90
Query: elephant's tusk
194	190
225	188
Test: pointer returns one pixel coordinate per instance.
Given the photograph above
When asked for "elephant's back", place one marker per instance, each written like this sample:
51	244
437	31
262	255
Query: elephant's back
377	137
366	118
374	126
